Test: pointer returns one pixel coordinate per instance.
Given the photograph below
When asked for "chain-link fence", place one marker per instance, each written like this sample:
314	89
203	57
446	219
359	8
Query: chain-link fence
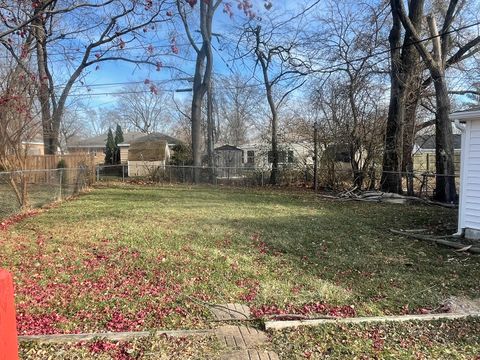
25	189
35	188
233	176
336	178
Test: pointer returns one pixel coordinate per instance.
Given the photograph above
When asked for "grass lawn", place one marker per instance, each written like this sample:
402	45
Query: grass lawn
453	339
126	258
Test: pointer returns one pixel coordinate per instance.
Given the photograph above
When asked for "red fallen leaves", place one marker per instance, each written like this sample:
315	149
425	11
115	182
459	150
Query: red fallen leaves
12	220
423	310
45	324
307	309
378	339
251	287
118	351
260	245
46	300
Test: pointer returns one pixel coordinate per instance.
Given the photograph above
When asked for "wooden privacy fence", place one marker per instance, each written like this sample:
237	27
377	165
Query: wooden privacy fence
40	162
49	162
425	161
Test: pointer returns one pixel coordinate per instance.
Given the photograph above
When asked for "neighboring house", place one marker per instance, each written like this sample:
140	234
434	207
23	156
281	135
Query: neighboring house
34	146
146	155
424	152
293	154
469	207
131	138
96	145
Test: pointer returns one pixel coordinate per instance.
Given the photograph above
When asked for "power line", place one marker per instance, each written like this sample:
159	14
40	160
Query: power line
324	69
80	52
349	62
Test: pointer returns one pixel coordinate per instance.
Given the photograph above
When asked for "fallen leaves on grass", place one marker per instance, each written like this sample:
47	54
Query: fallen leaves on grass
154	347
12	220
307	309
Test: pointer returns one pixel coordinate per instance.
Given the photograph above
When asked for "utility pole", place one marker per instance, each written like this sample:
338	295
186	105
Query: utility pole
315	156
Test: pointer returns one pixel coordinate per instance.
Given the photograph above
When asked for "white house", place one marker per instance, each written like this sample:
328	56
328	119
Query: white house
259	155
469	208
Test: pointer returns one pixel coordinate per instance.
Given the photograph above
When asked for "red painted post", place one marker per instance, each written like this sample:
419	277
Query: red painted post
8	327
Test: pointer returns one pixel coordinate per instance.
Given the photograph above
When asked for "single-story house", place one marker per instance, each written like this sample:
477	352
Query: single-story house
469	208
96	145
34	146
259	155
146	155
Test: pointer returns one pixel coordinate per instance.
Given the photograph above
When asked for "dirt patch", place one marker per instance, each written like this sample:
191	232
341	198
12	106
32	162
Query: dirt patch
461	305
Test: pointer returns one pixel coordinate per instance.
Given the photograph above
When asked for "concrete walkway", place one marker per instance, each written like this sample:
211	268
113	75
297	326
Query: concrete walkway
242	342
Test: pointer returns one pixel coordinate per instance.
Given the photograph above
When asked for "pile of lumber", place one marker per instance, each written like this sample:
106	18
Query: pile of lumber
384	197
449	241
376	196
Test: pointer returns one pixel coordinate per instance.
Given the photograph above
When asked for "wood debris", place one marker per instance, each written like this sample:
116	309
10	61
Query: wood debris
442	240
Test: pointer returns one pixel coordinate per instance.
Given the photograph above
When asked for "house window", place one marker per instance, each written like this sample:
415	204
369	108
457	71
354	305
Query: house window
283	157
250	157
290	157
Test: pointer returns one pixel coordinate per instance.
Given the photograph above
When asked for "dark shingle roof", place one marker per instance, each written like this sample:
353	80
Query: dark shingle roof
427	142
128	138
228	147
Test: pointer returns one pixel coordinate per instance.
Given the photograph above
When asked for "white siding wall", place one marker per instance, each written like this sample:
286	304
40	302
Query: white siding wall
471	181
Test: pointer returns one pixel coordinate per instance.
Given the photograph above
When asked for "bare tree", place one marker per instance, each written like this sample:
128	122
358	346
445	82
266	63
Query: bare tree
349	95
68	29
238	103
144	111
203	74
19	124
282	71
71	126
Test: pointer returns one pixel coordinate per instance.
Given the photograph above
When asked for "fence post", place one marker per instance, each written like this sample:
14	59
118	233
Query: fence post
61	183
98	173
8	327
123	172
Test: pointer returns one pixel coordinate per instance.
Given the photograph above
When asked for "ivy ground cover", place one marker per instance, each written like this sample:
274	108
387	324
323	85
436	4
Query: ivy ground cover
127	258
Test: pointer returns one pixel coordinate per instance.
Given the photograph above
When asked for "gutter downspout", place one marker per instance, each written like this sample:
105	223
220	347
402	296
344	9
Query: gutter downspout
461	128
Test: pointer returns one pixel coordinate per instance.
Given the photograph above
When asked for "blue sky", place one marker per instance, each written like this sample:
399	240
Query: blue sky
120	72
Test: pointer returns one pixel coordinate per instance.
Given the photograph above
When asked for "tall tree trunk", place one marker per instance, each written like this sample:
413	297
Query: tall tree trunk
264	63
403	71
274	175
391	179
196	119
444	152
437	63
50	137
210	134
409	132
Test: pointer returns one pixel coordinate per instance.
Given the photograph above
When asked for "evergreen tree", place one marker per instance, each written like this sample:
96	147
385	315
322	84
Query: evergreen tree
118	140
109	148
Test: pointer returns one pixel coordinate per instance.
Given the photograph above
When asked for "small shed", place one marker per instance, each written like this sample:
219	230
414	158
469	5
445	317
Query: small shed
228	159
469	208
147	154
